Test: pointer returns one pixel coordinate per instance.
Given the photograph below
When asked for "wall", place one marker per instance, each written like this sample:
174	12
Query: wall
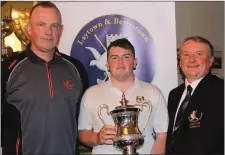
192	18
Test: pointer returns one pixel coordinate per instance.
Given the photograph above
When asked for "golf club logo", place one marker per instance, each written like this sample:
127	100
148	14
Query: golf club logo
90	46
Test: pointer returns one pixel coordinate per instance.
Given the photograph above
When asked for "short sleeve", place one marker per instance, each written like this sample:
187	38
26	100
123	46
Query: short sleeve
84	119
14	93
161	119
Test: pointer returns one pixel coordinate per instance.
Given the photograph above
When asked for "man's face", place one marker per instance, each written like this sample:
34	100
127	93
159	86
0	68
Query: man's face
45	29
195	60
121	63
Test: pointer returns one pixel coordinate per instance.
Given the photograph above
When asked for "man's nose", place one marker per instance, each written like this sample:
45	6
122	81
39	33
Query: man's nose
120	61
192	58
48	30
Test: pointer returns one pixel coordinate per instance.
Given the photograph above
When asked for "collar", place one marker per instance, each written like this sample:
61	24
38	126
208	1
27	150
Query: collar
136	81
194	84
134	85
33	57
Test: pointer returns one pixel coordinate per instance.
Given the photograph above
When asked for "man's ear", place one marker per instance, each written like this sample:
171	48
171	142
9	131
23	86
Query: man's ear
180	62
29	29
61	31
60	34
107	66
211	60
135	63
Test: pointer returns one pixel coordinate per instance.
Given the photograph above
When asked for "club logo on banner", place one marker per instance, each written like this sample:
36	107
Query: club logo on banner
90	46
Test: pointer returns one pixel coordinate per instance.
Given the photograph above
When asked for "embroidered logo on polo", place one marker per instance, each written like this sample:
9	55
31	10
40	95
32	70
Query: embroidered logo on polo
140	99
90	46
194	119
68	84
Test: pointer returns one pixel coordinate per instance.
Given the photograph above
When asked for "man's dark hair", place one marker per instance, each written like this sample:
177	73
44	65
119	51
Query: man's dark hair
201	40
44	4
123	43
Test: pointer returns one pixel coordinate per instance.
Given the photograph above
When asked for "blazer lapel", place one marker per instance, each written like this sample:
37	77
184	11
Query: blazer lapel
193	104
173	104
177	99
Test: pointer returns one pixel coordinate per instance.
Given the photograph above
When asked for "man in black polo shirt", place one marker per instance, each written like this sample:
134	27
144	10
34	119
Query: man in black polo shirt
43	91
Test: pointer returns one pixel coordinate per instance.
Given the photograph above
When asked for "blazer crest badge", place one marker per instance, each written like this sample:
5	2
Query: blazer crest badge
195	119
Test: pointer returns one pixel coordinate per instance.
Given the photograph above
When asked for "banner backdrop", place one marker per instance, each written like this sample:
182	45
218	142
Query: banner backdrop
89	27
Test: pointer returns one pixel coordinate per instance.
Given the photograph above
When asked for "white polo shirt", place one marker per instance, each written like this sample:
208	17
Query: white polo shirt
106	93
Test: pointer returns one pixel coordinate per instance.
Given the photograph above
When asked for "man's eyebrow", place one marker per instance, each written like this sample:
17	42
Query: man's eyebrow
184	51
49	23
57	24
122	55
194	51
199	51
40	22
113	55
128	54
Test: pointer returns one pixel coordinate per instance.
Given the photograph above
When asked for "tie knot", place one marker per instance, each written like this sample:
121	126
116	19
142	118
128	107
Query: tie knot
189	89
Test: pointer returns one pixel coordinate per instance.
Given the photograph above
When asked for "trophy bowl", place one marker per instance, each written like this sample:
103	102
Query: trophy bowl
20	20
128	136
6	27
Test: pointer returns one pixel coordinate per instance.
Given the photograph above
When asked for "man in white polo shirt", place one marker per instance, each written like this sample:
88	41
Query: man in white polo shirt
121	62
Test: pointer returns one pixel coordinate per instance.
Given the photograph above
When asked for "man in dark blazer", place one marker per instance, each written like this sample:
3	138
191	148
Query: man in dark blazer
201	129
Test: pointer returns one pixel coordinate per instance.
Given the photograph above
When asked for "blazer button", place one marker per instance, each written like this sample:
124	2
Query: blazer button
171	150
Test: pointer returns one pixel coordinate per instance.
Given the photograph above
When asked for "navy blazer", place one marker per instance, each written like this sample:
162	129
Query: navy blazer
202	128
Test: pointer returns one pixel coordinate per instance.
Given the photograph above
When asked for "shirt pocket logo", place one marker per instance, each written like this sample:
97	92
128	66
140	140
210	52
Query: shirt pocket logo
68	84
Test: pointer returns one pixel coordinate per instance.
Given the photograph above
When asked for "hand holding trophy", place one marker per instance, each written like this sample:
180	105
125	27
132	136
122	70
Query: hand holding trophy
106	135
128	136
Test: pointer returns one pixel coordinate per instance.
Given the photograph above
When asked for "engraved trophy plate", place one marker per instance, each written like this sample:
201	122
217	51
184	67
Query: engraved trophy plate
128	137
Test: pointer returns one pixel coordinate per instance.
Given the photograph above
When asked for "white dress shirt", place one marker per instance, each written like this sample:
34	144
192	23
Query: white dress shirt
193	85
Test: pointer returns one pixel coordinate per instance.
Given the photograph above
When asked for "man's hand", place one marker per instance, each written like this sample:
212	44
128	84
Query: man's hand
159	145
106	135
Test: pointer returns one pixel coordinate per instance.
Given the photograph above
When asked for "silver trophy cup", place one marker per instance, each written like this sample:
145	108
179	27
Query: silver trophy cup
6	29
128	137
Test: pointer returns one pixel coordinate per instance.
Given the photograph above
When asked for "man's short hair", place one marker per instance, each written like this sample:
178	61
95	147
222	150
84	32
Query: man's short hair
44	4
201	40
123	43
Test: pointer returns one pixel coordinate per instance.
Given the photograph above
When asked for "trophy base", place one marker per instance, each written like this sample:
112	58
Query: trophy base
7	51
129	143
130	150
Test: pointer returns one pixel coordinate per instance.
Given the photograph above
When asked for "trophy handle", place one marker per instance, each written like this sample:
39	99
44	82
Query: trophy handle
148	104
100	112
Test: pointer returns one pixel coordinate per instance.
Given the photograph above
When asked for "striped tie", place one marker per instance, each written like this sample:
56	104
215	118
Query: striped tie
182	108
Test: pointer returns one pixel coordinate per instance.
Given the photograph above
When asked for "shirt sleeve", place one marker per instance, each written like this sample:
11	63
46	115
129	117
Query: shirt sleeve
14	91
161	119
85	119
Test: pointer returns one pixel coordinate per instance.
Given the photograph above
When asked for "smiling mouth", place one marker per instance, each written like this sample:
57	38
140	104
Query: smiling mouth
120	67
48	39
193	66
